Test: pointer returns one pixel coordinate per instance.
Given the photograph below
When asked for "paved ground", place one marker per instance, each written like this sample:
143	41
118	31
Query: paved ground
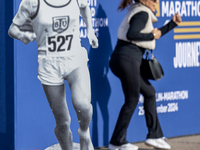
179	143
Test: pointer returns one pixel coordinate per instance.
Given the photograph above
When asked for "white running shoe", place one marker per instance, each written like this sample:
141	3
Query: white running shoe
158	143
127	146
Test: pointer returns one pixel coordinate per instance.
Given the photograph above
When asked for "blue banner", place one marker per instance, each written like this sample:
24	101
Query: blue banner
177	93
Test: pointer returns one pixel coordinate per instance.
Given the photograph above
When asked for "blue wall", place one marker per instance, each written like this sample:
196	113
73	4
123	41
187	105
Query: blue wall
6	78
177	93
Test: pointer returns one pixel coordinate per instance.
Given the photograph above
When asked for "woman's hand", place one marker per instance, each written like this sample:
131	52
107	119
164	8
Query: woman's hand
177	18
156	33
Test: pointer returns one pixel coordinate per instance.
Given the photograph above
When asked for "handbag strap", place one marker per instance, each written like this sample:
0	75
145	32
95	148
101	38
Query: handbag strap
147	53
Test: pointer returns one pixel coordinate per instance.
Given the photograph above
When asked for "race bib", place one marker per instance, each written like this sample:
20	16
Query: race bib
58	45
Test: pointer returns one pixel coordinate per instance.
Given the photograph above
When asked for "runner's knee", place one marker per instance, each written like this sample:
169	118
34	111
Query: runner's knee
62	128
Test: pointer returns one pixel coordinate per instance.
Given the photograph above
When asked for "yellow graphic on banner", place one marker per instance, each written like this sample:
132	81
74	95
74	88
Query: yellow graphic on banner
190	23
188	36
158	8
186	30
190	27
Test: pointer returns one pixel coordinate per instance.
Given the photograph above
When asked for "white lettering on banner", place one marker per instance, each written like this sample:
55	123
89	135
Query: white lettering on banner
83	32
187	54
170	107
174	95
166	96
141	110
100	22
185	8
92	2
96	22
161	109
93	11
82	23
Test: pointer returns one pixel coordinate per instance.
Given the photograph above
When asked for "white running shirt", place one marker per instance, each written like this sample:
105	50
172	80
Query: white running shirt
56	26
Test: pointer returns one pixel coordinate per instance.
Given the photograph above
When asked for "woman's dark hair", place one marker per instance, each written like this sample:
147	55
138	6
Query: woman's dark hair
125	3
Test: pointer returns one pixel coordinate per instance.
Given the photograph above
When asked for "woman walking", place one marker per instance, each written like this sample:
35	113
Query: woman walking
136	34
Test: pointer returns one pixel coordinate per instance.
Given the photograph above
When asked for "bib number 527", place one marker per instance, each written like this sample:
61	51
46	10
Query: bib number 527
59	43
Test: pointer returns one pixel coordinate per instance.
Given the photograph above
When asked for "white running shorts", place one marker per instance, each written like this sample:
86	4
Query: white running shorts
54	70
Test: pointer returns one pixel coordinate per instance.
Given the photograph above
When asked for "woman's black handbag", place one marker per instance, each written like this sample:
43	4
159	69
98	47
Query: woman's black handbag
151	68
